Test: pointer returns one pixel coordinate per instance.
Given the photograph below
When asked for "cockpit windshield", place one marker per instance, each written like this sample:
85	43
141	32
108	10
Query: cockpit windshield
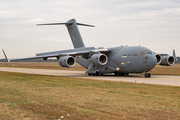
144	53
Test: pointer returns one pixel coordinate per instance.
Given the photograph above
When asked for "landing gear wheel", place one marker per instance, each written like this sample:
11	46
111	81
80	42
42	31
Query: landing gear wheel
115	74
97	73
147	75
101	74
126	73
89	74
93	74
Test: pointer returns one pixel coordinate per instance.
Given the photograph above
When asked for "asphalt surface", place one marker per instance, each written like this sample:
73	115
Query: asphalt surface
136	78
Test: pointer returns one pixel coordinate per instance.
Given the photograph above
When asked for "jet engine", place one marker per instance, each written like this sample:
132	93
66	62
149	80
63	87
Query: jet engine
67	61
99	59
167	61
159	58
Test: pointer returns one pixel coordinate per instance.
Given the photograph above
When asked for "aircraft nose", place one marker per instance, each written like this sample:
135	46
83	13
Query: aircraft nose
152	62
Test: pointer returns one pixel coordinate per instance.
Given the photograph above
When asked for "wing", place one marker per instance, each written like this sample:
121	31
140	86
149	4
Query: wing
84	52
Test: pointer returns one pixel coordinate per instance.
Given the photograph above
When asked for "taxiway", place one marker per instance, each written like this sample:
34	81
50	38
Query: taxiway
138	78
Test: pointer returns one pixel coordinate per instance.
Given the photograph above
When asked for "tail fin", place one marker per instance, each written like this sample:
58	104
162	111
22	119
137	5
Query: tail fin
73	32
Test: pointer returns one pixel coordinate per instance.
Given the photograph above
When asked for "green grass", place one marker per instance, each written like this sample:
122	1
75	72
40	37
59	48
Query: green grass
167	70
50	97
40	65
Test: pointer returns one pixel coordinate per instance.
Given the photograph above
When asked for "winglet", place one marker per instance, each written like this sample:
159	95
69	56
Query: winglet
174	54
5	56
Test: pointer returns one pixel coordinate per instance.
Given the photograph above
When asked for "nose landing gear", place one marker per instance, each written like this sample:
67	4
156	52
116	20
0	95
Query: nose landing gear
147	75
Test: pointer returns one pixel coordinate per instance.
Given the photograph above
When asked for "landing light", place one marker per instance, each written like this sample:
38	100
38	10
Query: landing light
117	69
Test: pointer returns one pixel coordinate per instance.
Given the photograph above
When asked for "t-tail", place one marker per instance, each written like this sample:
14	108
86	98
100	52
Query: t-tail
73	32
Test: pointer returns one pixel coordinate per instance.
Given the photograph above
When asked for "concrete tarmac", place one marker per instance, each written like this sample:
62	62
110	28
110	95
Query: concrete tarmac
138	78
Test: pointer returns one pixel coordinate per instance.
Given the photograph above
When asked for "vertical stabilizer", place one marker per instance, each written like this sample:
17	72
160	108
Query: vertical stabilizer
75	34
73	31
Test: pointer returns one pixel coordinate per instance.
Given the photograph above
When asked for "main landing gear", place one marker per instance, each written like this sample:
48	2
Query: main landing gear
121	74
147	75
95	74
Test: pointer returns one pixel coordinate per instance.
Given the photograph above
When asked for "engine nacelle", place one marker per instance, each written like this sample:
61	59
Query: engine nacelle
99	59
159	58
167	60
67	61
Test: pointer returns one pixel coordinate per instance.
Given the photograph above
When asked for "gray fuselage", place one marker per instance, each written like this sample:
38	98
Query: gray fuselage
123	59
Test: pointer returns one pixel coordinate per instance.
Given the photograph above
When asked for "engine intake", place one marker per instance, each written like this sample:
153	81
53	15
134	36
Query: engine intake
67	61
99	59
167	61
159	58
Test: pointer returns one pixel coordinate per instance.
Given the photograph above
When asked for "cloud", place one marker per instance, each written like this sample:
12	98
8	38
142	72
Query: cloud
151	23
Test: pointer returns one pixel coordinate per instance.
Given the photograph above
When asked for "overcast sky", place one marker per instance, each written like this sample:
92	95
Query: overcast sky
154	24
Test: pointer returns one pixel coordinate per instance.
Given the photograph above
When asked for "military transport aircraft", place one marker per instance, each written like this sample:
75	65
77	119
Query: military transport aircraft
98	61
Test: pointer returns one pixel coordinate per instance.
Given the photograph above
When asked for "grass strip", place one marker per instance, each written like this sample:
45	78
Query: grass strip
51	97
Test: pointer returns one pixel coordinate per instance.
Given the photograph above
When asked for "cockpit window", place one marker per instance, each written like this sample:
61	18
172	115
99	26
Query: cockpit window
144	53
150	53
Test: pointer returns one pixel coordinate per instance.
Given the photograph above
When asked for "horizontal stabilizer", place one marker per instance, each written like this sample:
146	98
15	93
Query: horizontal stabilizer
85	25
67	23
56	24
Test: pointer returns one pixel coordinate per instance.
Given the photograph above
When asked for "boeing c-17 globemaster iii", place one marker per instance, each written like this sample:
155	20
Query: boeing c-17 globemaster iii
99	61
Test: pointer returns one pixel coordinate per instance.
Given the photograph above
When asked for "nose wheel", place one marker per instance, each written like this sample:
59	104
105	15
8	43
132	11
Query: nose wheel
147	75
